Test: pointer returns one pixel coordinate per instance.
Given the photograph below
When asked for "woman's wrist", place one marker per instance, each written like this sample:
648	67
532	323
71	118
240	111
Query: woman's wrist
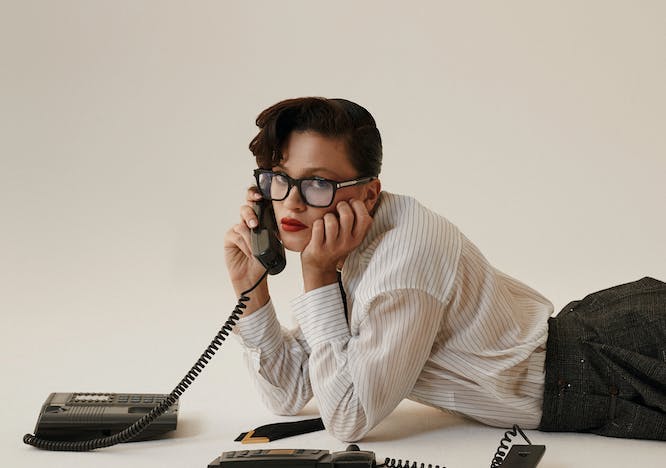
314	278
258	297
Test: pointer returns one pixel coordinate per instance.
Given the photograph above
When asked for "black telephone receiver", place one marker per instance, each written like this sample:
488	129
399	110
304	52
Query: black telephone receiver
266	246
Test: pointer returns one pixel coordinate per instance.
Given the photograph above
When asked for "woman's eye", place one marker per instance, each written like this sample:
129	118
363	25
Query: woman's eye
280	180
320	184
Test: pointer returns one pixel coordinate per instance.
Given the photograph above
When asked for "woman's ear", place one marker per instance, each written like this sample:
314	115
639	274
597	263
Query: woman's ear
372	191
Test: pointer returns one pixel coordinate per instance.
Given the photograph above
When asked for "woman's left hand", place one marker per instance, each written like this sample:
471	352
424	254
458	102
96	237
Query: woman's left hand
333	238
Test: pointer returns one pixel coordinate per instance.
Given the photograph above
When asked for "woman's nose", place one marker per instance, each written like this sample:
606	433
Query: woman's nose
294	201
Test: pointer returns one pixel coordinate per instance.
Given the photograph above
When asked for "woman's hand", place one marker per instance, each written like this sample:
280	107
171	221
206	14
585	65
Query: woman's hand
244	269
333	238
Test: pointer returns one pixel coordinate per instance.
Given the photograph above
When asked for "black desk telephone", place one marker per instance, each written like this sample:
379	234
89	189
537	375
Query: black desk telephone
84	416
88	421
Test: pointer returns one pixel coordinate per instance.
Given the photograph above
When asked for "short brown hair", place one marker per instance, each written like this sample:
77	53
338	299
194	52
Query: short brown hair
332	118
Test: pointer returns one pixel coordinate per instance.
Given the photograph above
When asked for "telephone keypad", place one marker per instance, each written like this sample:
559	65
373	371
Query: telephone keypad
116	398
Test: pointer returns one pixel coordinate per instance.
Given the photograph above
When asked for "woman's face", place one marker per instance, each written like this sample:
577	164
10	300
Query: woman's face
309	154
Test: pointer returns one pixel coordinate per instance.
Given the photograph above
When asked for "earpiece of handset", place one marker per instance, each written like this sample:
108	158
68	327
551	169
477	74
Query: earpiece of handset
266	246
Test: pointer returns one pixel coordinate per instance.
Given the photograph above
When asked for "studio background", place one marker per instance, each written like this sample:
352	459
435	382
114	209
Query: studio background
538	128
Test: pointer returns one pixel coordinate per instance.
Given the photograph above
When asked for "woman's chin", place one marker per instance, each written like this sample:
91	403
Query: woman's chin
293	247
294	241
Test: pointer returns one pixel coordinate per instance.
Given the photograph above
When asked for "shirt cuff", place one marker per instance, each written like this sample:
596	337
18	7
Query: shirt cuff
320	314
260	330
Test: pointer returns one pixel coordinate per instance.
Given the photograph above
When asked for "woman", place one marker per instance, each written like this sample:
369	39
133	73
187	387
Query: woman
398	303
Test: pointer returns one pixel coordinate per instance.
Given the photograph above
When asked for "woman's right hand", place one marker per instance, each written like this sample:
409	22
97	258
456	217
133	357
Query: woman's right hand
244	269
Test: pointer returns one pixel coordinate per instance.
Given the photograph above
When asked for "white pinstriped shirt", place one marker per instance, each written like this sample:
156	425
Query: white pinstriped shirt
430	320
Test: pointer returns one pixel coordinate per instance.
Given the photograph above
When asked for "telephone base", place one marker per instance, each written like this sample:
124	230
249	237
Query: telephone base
84	416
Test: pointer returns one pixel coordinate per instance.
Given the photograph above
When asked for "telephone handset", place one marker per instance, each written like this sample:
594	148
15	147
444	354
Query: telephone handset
266	246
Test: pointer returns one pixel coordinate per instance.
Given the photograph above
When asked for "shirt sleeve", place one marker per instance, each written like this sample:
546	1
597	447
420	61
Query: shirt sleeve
277	360
359	379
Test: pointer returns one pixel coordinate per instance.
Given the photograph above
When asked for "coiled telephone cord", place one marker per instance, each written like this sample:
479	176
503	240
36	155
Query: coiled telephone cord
135	429
501	452
497	461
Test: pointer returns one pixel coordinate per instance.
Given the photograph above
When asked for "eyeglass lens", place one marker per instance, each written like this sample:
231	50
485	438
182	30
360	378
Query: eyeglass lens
315	192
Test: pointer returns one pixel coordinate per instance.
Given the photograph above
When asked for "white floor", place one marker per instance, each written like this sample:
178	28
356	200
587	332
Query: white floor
222	404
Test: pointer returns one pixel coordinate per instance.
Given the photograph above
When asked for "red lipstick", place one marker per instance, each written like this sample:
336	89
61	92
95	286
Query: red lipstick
292	225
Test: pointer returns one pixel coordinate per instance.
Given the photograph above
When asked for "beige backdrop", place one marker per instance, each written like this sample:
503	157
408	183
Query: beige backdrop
537	127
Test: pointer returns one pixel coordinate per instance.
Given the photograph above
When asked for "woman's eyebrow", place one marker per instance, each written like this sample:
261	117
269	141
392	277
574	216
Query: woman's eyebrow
312	171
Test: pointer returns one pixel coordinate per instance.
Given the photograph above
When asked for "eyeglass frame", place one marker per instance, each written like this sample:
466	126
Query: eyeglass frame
291	183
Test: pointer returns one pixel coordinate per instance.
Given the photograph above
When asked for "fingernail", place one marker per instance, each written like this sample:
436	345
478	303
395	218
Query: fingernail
252	223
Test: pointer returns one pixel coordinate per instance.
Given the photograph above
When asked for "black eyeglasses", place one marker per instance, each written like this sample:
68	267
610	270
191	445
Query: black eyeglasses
315	191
